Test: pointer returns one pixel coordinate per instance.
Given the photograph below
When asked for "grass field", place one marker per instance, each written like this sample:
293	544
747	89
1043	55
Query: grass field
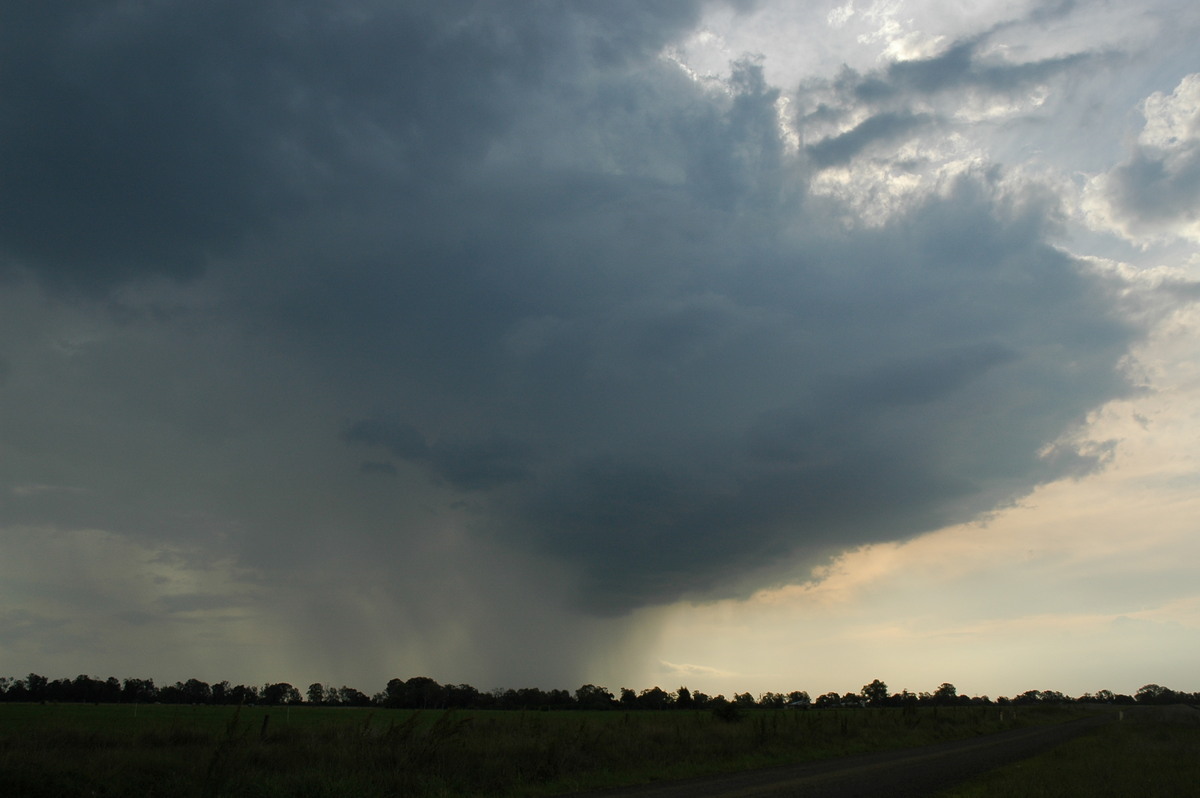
183	751
1154	752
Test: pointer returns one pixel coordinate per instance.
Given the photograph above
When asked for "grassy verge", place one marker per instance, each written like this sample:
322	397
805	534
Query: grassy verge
1152	753
118	750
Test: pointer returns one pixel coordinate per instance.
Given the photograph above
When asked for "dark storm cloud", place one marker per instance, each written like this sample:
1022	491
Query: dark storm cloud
120	144
147	138
912	381
695	418
401	440
571	294
466	464
198	602
371	467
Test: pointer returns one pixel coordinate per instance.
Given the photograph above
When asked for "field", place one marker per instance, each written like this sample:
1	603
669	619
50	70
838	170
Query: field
1151	753
183	751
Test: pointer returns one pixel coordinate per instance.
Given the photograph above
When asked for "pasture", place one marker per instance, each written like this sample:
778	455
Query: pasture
185	751
1151	753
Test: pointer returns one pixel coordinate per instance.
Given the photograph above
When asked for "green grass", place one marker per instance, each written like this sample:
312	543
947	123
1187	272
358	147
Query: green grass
185	751
1152	753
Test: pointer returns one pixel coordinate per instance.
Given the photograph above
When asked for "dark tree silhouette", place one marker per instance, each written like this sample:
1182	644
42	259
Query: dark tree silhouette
654	698
281	693
945	694
36	686
798	698
876	693
589	696
422	692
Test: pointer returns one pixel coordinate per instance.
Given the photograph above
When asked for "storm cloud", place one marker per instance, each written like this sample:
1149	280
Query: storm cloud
310	285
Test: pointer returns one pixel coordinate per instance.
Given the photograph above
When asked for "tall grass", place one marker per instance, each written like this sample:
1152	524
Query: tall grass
211	752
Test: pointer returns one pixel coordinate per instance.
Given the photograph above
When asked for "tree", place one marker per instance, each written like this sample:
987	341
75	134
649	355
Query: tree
171	693
876	693
772	700
461	696
798	698
1028	697
945	694
828	700
1154	694
589	696
316	693
281	693
654	698
138	691
354	698
744	700
394	695
196	692
398	696
422	692
59	690
17	691
683	698
725	710
36	685
85	689
243	694
419	692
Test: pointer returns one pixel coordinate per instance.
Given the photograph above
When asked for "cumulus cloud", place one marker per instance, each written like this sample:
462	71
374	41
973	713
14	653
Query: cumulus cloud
884	127
884	137
963	66
1156	191
398	294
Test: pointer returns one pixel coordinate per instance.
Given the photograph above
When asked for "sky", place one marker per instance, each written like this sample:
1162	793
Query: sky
748	346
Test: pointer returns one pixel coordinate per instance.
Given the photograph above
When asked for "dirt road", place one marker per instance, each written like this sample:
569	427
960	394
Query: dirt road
906	773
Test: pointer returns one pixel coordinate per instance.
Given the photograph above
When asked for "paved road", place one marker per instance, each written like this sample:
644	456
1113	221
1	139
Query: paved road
906	773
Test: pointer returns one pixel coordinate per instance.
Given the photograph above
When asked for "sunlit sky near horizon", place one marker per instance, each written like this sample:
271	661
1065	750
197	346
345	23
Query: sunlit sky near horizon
748	346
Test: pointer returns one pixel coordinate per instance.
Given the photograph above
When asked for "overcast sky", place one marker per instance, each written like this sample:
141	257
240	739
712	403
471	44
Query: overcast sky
748	346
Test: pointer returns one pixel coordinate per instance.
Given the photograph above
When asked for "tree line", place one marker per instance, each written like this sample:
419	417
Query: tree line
422	692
